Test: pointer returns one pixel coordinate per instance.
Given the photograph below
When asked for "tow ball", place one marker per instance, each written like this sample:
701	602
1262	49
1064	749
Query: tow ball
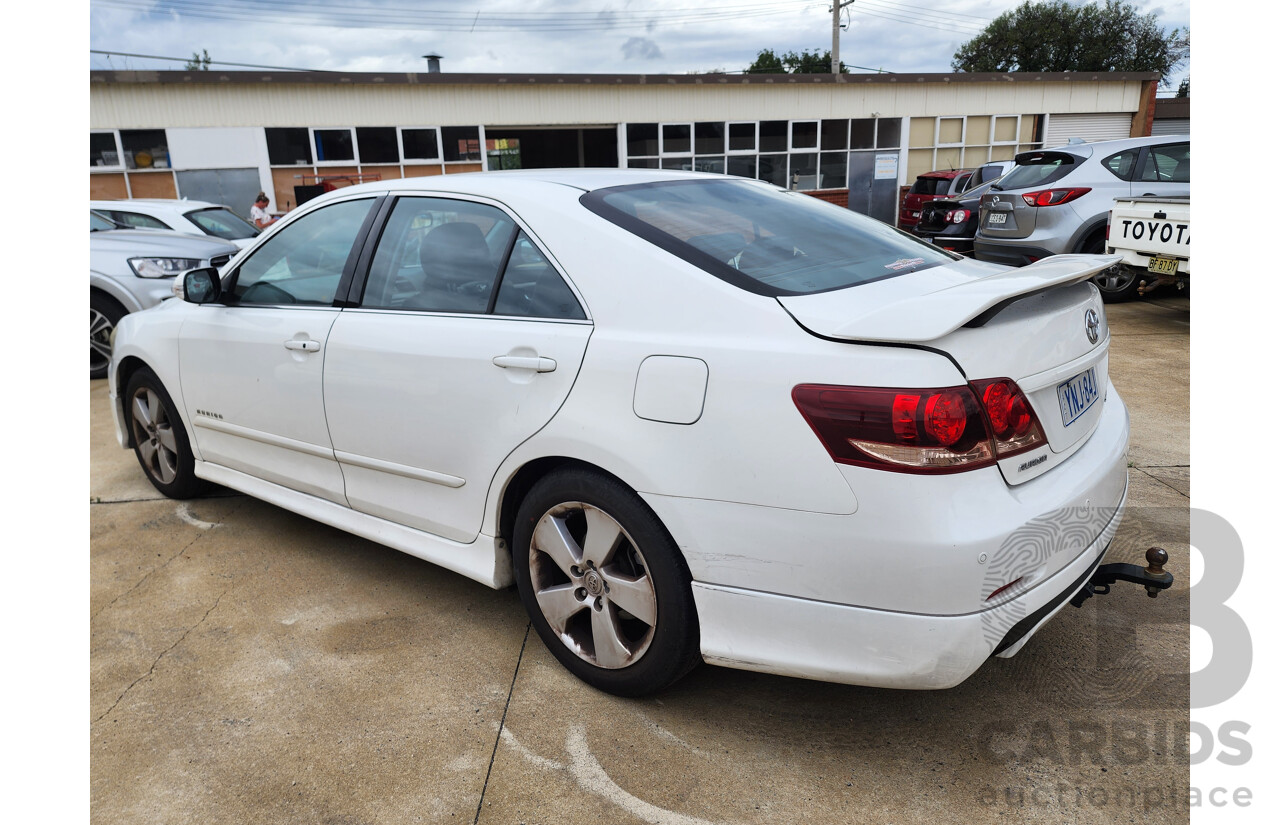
1153	577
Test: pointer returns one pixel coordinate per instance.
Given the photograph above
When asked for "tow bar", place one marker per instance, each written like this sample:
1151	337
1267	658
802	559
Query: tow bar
1153	577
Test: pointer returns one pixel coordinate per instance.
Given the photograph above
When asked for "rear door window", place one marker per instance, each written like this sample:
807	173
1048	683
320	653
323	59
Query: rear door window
1167	164
1121	163
136	220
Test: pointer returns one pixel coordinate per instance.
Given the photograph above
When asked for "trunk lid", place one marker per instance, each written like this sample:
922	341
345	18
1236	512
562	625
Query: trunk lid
1031	325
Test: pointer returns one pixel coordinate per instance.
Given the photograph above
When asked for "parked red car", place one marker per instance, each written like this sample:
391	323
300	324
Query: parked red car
930	187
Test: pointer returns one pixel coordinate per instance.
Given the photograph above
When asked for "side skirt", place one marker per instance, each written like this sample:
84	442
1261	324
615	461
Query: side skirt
486	559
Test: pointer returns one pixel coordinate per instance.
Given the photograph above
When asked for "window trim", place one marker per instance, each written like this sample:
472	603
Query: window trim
438	160
315	153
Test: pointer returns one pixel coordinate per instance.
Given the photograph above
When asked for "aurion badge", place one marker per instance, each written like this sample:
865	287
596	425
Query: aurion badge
1092	324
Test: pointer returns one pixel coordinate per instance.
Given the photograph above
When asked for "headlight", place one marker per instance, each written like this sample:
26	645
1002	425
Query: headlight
161	267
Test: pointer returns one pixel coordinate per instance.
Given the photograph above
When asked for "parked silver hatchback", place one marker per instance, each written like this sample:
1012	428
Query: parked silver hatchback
1057	200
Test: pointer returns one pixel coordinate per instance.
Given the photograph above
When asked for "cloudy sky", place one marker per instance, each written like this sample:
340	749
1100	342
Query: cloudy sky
558	36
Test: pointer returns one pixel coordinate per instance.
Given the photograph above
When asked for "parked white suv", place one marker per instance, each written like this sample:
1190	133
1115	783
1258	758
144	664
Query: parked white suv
191	217
1057	200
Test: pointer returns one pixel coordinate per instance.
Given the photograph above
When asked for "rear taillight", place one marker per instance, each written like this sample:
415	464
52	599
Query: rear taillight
1014	425
911	431
1054	197
958	215
941	430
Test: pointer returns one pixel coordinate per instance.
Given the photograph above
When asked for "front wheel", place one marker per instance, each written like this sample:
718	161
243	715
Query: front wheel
159	439
104	314
603	583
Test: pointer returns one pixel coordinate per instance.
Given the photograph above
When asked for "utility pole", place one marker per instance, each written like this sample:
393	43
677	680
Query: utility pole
836	6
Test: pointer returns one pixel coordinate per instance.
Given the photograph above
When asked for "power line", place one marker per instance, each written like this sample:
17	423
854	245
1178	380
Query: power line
211	62
345	16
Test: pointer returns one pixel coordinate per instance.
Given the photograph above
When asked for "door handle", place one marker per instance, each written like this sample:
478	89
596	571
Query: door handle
305	346
524	362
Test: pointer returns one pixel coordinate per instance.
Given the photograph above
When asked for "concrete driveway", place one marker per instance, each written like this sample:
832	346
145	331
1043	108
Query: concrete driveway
251	666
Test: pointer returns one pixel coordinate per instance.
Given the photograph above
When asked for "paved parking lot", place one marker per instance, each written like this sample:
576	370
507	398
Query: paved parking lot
249	665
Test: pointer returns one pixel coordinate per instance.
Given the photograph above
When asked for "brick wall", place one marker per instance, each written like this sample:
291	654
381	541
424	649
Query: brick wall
840	197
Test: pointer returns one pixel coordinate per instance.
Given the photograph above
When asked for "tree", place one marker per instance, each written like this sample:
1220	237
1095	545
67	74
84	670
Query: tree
1184	88
1057	36
198	63
808	62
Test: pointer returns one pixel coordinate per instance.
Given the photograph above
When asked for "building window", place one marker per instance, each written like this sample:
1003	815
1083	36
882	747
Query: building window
461	143
420	144
377	144
145	148
104	151
333	145
804	154
289	147
967	142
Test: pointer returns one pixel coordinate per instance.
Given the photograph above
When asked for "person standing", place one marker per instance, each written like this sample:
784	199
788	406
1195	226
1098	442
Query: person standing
258	213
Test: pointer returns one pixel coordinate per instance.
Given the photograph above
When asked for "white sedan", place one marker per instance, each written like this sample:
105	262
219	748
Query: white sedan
692	417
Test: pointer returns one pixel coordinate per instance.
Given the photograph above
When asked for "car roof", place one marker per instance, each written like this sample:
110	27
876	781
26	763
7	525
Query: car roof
1088	149
944	173
162	203
487	183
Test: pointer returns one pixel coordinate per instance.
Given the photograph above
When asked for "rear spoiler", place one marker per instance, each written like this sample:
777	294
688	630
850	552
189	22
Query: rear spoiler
930	316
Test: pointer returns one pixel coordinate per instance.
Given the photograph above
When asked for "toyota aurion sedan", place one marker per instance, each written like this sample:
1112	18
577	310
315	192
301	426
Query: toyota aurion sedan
691	417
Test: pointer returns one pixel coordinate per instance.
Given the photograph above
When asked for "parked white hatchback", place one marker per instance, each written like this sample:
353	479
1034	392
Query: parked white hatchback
690	416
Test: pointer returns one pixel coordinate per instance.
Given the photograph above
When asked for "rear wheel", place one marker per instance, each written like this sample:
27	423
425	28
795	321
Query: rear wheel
159	439
104	313
1119	283
603	583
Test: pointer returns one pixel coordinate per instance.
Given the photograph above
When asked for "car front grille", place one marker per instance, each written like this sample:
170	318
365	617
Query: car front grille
219	261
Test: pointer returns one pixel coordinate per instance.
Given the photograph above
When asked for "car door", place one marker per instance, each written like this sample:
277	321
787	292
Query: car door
465	343
252	367
1164	171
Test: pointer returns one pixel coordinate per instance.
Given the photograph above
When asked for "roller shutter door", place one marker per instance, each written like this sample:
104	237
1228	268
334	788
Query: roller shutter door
1172	126
1090	128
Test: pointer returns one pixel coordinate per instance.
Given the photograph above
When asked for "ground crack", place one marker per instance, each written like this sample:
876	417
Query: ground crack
164	653
142	580
1161	481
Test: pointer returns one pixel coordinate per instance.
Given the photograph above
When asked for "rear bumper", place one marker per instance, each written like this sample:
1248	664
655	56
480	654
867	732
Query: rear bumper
1010	254
766	632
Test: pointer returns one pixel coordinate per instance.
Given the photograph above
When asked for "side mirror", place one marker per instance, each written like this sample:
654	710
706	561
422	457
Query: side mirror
201	286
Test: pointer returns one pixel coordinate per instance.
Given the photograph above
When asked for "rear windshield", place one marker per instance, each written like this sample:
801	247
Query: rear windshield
222	223
930	186
765	240
1037	169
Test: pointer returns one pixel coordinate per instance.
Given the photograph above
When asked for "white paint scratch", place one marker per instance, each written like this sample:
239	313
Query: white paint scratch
540	761
184	513
588	773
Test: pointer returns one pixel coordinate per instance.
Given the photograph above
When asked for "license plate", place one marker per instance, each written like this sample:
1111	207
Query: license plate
1163	266
996	218
915	214
1076	396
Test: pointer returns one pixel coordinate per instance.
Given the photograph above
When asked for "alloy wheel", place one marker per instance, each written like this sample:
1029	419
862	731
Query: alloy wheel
153	433
592	585
100	328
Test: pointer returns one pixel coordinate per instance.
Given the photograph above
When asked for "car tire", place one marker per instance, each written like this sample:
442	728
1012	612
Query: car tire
604	584
159	438
104	313
1118	283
